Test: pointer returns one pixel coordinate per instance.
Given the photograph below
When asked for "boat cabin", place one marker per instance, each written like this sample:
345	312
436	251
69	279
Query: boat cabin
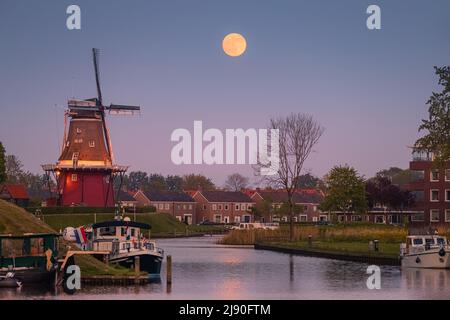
421	243
118	235
30	250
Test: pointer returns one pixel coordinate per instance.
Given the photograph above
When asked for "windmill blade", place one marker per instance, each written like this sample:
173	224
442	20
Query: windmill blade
95	53
118	109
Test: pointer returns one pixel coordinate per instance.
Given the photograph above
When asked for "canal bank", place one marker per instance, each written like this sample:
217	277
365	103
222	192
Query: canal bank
320	253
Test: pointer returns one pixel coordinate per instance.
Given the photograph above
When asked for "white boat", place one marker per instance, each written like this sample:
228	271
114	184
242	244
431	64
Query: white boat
425	251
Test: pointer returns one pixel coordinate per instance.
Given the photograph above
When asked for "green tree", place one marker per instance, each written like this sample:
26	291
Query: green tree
396	175
196	182
344	191
156	182
14	169
174	183
437	126
236	182
308	181
2	164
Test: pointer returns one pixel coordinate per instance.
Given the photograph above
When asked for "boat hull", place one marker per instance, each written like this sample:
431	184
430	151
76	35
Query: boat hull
150	263
428	259
33	276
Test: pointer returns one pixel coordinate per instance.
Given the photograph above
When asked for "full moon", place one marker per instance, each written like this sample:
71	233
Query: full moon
234	44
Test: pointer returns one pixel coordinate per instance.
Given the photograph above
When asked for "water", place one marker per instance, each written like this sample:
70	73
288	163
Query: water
204	270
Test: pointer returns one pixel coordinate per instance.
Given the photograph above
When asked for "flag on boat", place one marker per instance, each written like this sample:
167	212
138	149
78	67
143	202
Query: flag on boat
80	235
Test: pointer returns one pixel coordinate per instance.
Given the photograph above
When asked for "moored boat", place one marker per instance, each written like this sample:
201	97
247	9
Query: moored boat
125	241
31	258
425	251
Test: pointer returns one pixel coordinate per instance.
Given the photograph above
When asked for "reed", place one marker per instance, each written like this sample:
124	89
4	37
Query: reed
339	233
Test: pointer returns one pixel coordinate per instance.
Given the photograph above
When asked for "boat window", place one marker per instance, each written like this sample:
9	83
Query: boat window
107	231
417	241
429	241
123	231
440	241
133	232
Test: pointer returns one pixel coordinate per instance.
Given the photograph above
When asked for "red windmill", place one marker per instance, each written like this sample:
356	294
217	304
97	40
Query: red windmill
85	171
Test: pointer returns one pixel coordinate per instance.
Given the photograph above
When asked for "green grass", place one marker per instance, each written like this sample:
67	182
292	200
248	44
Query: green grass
356	248
162	224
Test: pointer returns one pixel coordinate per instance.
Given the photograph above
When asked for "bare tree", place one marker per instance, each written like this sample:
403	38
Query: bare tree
298	134
236	182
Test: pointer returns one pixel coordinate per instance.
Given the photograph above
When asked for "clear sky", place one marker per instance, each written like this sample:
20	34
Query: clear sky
367	88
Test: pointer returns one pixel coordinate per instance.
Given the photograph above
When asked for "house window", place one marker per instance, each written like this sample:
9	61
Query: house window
434	195
237	219
447	175
190	207
78	130
226	207
178	218
417	175
303	218
418	217
242	206
218	218
447	215
357	218
220	207
204	207
447	195
179	206
341	218
249	206
184	207
314	208
314	219
379	219
92	144
434	215
419	195
214	207
434	175
167	206
74	177
226	219
236	207
160	206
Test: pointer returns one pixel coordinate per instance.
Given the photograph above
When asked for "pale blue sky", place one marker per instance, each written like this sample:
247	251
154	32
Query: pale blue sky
367	88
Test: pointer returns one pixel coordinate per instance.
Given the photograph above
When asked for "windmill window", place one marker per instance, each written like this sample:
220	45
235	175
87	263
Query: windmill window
92	143
75	156
78	130
74	177
78	140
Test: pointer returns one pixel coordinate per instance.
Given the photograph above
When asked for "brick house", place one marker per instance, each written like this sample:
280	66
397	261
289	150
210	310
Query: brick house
15	193
223	206
125	199
178	204
308	199
431	188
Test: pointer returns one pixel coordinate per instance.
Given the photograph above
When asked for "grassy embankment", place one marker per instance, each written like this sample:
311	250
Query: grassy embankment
343	238
16	221
163	225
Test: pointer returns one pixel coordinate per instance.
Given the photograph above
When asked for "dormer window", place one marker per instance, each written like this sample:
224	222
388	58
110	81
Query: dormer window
92	144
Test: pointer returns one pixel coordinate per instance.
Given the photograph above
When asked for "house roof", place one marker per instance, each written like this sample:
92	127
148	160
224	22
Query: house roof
125	196
300	196
225	196
168	196
16	191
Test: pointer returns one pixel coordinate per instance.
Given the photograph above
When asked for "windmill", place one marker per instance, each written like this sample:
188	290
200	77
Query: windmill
85	170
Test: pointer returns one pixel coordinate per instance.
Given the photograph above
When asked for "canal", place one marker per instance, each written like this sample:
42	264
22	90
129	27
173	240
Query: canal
203	269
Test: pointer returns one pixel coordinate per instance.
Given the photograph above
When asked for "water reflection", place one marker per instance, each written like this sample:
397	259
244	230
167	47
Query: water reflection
204	270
